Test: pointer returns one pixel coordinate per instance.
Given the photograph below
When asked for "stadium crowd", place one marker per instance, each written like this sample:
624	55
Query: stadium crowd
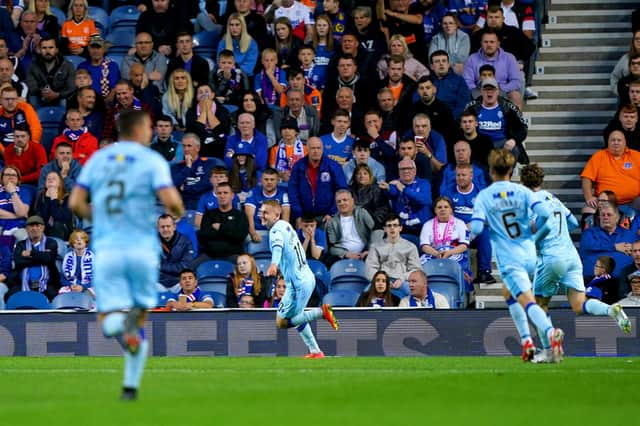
369	121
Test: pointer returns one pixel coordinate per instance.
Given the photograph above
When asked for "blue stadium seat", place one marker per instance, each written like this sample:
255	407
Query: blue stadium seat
27	300
72	301
357	286
445	276
219	299
121	41
214	268
58	13
163	298
348	271
116	57
323	279
50	118
260	249
263	264
124	17
341	298
205	43
212	284
101	17
75	60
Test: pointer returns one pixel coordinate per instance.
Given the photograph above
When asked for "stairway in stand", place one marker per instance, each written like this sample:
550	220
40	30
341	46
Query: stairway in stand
580	46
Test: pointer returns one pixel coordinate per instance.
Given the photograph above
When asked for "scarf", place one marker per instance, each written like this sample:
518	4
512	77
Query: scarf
44	271
234	83
269	94
377	302
444	242
74	135
104	78
193	297
246	287
284	163
69	267
430	304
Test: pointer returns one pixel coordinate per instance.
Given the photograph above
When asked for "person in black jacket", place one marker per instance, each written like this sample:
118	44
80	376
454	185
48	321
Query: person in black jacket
177	253
186	59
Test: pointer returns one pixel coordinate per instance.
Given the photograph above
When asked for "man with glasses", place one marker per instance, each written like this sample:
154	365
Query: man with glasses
8	77
634	74
25	40
16	113
155	64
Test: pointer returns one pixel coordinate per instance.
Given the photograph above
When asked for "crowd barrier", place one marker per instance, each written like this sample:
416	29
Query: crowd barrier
381	332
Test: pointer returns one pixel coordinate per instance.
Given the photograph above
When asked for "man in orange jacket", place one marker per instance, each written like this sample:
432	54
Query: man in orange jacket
15	113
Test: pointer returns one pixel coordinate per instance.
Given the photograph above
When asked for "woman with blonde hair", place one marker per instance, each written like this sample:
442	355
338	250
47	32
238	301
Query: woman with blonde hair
47	21
178	98
78	29
238	40
412	67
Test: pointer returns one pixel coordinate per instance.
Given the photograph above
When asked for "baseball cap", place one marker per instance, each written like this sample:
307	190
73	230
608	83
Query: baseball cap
289	123
489	82
35	219
96	40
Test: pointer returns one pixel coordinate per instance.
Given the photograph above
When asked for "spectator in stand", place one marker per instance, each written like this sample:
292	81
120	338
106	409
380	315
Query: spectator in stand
625	120
163	24
392	118
238	40
77	266
209	201
401	85
143	89
50	77
369	35
296	109
155	64
209	18
606	239
408	148
105	72
313	238
64	164
190	175
279	289
622	66
297	81
381	143
223	230
410	197
505	64
451	89
14	202
76	134
256	25
350	230
286	44
626	214
338	144
178	98
348	76
299	15
186	59
252	103
313	183
92	114
269	190
453	41
210	121
378	295
501	120
408	22
51	204
243	175
324	50
229	82
311	74
615	169
432	12
78	29
124	100
368	195
624	82
28	156
632	298
340	19
462	155
634	93
481	145
247	137
604	281
164	143
429	143
246	279
439	113
395	255
8	77
271	82
24	42
47	22
421	296
345	100
189	296
177	253
16	113
365	62
35	262
288	151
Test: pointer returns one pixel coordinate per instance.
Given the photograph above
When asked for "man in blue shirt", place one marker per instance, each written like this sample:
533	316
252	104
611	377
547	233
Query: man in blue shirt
190	175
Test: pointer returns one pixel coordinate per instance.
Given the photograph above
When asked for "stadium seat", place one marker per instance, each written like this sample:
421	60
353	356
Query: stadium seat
261	249
120	42
116	57
214	268
263	264
323	279
27	300
163	298
124	17
212	284
219	299
50	118
341	298
357	286
205	43
101	18
412	238
184	227
75	60
445	276
72	301
58	13
348	271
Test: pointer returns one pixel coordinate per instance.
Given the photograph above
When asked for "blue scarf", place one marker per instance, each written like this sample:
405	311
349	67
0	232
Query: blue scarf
70	267
378	301
44	272
246	287
74	135
431	303
284	163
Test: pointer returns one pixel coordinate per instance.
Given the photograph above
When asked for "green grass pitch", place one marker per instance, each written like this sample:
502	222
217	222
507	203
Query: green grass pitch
426	391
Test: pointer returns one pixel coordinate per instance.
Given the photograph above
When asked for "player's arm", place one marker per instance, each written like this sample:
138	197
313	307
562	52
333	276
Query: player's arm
170	198
79	202
544	222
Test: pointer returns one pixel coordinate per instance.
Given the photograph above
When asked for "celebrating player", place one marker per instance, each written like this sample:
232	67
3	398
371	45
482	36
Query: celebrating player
505	207
287	254
559	262
123	181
